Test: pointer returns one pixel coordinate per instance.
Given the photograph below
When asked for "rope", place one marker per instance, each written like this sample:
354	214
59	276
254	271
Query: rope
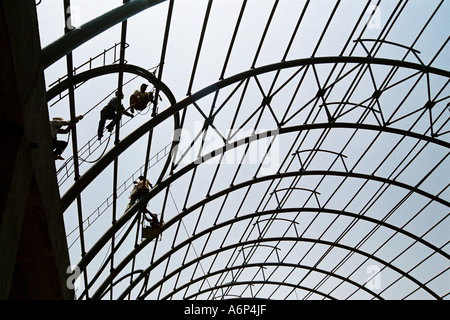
101	155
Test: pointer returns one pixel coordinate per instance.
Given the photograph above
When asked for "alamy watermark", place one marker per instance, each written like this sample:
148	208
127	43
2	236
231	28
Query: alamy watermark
374	280
374	21
73	281
73	20
246	147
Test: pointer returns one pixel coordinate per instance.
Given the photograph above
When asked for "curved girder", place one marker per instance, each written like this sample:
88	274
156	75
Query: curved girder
111	69
143	244
274	239
266	282
131	274
109	157
116	68
79	36
76	37
288	210
290	265
170	179
271	264
91	174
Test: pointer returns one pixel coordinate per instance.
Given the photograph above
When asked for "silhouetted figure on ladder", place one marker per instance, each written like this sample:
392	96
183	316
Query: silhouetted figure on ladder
139	189
109	112
140	99
154	228
56	125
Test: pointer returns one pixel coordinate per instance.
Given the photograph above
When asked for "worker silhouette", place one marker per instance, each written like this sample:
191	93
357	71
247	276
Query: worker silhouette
110	112
56	125
140	99
140	188
152	219
155	227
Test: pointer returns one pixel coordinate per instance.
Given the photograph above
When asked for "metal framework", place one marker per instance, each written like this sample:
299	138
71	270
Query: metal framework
320	175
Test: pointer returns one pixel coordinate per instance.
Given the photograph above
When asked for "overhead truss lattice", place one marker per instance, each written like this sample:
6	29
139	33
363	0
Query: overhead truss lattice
298	150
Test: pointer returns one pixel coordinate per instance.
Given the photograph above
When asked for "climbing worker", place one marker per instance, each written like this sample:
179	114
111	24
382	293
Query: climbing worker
140	188
55	127
153	220
109	112
139	99
155	227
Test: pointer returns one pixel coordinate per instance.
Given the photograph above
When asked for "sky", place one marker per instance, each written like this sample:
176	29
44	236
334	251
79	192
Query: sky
409	161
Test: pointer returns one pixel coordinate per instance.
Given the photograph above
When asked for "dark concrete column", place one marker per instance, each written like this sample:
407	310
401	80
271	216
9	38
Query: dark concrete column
33	248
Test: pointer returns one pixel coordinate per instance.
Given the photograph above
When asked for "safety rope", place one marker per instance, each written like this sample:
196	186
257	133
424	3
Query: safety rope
101	155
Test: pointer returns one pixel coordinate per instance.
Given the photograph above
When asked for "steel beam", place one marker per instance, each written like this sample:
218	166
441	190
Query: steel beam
142	245
288	239
165	183
290	210
273	264
111	69
95	170
72	40
266	282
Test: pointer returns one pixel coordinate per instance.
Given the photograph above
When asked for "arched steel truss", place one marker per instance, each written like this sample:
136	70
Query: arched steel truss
174	109
261	249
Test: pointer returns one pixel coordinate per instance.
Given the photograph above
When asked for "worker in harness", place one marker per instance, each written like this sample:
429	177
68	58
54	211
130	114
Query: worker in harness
155	226
153	219
110	112
56	125
139	99
140	188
